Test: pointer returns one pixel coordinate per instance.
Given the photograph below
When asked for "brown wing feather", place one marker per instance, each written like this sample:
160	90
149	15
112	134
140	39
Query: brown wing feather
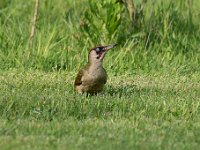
78	78
105	79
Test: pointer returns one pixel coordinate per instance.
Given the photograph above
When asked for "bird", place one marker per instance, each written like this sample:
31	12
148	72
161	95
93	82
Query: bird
92	77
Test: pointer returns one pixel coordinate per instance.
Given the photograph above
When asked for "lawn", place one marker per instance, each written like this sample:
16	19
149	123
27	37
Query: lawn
152	96
40	110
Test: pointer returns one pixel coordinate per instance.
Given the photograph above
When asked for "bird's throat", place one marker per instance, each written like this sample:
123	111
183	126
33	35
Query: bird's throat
93	68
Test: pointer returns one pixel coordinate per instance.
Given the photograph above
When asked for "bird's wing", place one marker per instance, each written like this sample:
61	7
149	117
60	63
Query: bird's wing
78	78
105	79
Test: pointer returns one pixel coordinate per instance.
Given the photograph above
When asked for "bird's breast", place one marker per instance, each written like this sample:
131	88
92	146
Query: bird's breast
96	76
98	73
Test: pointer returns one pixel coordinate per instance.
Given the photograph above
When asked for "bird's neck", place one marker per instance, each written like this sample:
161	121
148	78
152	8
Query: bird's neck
94	67
95	64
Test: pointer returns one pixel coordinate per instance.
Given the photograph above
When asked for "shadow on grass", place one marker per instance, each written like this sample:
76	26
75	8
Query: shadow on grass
123	90
134	90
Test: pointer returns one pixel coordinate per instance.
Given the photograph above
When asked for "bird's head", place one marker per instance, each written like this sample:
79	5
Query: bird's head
97	53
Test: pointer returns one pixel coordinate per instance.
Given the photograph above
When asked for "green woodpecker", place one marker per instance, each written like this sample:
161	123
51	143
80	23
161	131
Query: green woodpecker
93	76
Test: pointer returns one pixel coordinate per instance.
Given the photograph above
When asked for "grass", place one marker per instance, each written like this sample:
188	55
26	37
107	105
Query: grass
151	100
146	111
66	30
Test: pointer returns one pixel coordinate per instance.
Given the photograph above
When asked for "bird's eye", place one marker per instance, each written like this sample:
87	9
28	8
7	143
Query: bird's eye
97	49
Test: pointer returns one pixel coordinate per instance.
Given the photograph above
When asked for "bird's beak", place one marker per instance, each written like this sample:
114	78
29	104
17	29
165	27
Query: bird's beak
110	46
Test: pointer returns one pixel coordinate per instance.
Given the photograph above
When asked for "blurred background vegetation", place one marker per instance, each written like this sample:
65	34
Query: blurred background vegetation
152	34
